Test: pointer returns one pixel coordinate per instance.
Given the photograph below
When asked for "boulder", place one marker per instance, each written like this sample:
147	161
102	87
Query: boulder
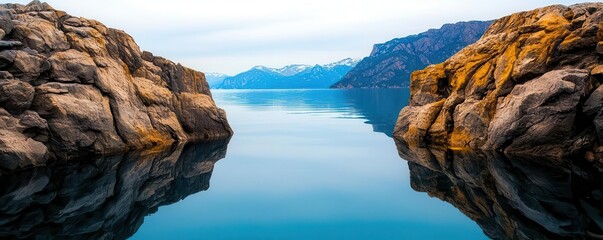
75	128
541	112
39	34
195	105
28	66
594	102
34	126
7	58
15	95
16	149
6	24
72	66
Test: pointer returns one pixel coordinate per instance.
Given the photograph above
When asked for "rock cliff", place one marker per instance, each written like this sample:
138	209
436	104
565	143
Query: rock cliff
391	63
531	85
70	85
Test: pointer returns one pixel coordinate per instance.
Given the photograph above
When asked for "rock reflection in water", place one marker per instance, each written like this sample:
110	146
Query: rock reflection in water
104	198
513	197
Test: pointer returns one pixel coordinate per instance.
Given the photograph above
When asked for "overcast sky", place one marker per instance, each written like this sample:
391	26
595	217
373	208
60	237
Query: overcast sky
231	36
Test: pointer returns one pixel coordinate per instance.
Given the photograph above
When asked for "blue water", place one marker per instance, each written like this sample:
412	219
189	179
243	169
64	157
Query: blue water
310	164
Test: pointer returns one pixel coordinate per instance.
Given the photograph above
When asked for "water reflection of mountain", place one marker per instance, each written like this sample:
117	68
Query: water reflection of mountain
380	107
103	198
512	197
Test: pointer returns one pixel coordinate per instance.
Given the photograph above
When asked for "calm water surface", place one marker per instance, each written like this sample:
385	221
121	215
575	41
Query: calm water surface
306	164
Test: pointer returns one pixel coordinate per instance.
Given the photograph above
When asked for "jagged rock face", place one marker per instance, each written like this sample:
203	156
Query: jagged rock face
390	64
513	197
70	85
106	197
530	85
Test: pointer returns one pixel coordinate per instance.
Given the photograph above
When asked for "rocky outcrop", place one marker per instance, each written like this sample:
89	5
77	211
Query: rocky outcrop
70	85
107	197
391	63
513	197
508	129
531	85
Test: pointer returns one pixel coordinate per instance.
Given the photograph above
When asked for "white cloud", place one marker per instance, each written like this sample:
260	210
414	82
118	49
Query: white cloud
231	36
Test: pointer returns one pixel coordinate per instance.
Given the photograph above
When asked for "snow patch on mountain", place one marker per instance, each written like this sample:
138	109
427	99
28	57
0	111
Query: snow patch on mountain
345	62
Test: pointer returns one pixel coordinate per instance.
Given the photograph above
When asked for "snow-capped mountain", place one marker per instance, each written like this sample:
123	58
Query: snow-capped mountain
263	68
291	76
292	69
214	79
345	62
289	70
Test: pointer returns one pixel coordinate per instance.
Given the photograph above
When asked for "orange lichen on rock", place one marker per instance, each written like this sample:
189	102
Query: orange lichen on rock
514	51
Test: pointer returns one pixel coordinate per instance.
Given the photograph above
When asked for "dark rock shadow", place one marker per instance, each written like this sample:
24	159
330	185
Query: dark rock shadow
513	197
102	197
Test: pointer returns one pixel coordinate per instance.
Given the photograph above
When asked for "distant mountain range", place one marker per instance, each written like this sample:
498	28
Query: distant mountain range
289	77
390	64
215	79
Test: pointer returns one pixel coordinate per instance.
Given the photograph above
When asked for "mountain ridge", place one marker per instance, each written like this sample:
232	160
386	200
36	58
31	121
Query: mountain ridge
290	76
214	79
391	63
